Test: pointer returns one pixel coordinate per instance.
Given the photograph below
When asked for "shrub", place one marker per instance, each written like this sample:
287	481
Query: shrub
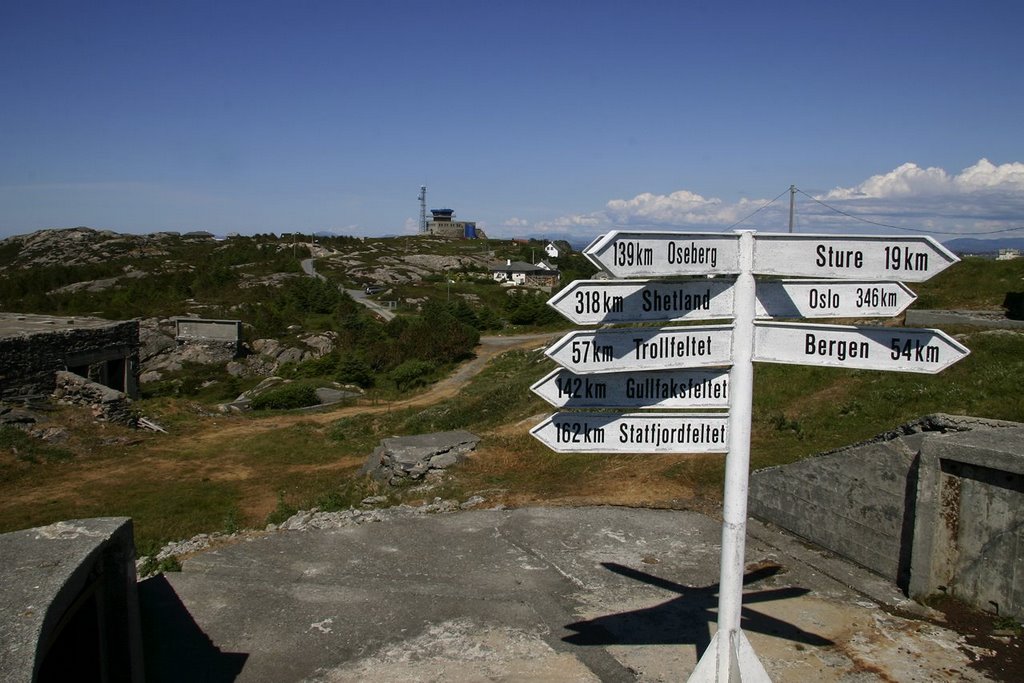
412	373
287	397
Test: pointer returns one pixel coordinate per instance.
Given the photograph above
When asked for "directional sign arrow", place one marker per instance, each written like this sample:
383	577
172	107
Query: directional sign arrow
590	246
634	433
866	348
665	348
662	254
831	299
589	302
861	257
645	389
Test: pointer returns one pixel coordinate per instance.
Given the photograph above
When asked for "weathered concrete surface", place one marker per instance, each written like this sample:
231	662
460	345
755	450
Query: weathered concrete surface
934	505
969	526
51	573
567	594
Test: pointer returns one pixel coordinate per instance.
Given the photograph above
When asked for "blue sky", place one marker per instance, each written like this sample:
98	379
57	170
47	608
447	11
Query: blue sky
558	119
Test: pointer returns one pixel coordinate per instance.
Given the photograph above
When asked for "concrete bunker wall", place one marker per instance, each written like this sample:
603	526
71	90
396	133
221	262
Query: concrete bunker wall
108	354
934	506
69	596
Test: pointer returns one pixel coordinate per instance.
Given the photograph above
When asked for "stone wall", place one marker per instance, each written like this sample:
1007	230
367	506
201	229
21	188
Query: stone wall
107	404
29	361
936	505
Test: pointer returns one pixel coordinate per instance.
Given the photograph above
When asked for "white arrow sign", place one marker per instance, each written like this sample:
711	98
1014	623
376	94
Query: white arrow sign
666	348
645	389
831	299
866	348
859	257
589	302
634	433
659	254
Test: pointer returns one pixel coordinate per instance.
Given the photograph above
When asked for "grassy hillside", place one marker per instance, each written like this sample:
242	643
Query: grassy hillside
216	472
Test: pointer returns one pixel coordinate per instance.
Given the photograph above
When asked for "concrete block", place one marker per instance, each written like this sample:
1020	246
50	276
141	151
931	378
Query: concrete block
69	604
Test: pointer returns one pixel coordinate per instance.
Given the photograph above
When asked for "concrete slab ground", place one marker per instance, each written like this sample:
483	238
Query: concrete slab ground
536	594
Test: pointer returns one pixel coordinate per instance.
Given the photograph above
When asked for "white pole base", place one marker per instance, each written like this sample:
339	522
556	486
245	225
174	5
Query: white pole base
743	665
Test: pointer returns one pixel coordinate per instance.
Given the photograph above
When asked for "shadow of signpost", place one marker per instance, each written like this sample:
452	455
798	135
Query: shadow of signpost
174	647
687	618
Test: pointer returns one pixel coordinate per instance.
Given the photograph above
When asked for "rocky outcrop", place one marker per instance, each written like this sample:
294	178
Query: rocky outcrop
161	353
403	458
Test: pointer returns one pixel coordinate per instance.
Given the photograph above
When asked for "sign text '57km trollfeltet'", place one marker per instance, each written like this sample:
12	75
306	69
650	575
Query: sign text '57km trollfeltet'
667	348
634	433
642	389
899	349
593	302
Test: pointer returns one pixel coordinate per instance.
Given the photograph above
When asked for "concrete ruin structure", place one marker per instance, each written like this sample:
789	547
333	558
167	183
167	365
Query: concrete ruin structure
935	506
70	604
210	332
33	348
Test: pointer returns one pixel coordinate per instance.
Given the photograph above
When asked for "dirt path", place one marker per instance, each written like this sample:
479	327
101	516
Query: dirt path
439	391
223	441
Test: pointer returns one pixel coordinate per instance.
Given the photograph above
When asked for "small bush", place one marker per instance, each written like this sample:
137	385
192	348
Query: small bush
411	374
282	512
150	565
287	397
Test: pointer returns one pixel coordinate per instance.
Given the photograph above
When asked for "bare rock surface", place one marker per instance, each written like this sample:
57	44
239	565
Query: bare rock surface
402	458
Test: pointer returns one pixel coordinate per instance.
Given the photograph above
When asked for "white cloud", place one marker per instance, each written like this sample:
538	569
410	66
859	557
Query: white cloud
981	198
910	180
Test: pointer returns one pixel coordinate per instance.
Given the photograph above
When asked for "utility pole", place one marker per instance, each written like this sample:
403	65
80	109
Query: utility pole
792	205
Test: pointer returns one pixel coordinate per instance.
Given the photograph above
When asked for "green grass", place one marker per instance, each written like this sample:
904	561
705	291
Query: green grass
802	410
973	284
29	449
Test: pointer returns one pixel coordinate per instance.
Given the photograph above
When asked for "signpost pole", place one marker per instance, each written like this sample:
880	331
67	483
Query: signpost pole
729	657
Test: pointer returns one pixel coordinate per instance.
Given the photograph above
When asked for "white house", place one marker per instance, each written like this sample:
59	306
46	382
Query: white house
551	250
520	274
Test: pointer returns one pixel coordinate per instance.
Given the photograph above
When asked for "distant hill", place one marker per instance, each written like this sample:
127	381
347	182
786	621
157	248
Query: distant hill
973	245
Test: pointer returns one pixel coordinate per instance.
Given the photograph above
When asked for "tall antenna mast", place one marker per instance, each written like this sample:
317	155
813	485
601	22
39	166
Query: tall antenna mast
423	208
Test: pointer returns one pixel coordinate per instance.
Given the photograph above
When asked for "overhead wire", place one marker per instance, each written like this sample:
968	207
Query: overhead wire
897	227
762	207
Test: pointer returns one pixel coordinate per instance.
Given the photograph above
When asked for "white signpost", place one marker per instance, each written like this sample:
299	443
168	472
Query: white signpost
858	257
832	299
855	277
634	433
592	302
643	348
660	254
865	348
643	389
